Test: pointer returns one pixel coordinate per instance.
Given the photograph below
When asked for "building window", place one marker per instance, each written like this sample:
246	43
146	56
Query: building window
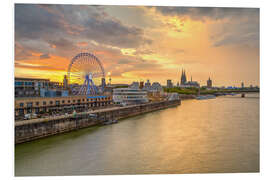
63	101
21	104
51	102
57	102
78	100
87	100
18	83
37	103
83	100
29	104
74	100
68	101
44	103
29	110
21	112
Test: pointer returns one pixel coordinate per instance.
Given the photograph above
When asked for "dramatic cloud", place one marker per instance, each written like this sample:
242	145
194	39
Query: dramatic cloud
214	13
125	61
245	32
32	22
62	43
48	22
44	56
22	52
239	25
139	42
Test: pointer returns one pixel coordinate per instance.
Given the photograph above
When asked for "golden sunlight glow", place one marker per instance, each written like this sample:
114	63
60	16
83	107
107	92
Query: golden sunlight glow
176	41
129	52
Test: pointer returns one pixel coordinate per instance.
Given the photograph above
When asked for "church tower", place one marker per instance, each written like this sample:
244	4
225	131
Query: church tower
183	77
209	83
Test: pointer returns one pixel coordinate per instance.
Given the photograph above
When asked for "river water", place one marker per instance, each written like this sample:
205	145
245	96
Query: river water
201	136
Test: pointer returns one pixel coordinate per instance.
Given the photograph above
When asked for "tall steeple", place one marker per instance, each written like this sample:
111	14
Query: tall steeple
182	74
183	77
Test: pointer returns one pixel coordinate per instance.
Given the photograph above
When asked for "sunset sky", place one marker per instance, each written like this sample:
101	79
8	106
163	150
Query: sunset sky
138	43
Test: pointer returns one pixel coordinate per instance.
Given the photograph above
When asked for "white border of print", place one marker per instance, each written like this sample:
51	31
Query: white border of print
7	81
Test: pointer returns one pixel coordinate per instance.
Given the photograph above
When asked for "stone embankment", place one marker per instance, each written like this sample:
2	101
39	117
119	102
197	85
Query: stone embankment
38	128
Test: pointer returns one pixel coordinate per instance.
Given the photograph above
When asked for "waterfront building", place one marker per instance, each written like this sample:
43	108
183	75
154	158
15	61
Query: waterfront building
147	85
108	90
154	91
169	83
65	82
27	87
30	87
47	105
126	96
209	83
183	79
187	84
55	85
191	84
141	85
156	87
53	92
134	85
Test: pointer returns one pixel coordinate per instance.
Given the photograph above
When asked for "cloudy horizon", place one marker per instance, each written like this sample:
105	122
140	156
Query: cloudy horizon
140	42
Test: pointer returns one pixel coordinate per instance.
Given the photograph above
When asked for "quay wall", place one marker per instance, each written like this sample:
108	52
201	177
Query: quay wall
187	96
29	130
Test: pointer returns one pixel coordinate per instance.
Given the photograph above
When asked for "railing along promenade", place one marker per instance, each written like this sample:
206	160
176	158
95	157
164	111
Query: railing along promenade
28	130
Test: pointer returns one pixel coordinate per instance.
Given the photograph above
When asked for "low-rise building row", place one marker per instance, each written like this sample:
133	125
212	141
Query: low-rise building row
40	105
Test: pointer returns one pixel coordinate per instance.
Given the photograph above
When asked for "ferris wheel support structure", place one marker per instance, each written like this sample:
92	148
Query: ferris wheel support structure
86	70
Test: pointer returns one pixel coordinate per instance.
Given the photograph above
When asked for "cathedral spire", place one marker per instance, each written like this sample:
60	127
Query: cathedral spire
182	73
185	77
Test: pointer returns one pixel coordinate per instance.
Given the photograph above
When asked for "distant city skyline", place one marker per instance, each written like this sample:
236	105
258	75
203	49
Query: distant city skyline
137	43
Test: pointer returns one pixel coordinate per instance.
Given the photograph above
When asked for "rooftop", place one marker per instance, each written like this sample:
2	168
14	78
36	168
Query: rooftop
30	79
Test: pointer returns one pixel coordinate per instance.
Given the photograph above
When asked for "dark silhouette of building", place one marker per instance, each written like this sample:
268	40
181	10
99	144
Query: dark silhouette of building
185	83
147	85
169	83
209	83
65	82
141	84
183	77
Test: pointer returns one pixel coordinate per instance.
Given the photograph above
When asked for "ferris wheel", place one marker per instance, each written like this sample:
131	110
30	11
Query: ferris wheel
86	75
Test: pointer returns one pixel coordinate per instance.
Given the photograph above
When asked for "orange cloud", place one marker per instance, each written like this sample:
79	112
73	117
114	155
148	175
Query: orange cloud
205	46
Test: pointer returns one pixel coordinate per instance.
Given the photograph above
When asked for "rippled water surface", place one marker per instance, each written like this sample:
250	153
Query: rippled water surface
200	136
